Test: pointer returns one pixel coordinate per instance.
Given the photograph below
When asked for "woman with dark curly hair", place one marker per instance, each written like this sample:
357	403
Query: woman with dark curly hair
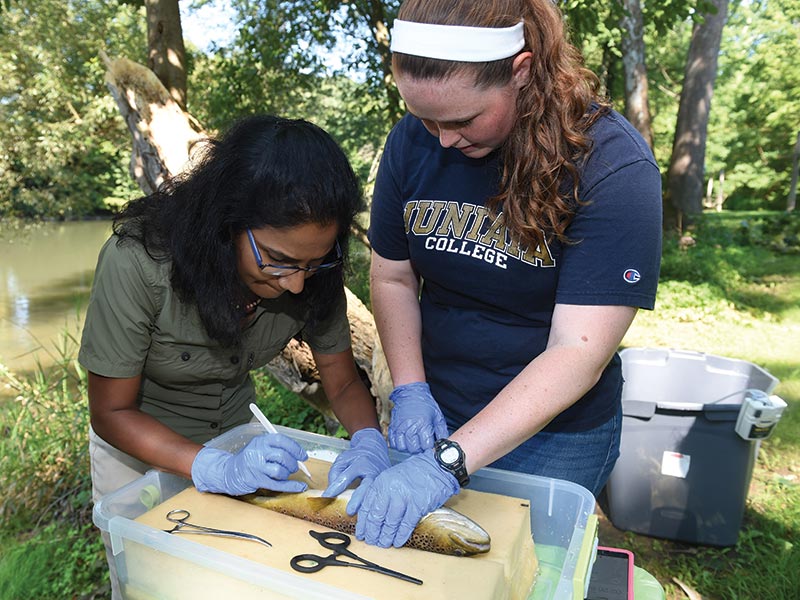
516	230
207	279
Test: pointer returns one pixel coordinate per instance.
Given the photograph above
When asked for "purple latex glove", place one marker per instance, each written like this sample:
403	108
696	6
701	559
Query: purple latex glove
390	507
416	421
367	456
265	462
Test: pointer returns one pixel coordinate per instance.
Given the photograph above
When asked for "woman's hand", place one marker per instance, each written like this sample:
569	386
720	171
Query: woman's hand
367	457
391	506
417	421
265	462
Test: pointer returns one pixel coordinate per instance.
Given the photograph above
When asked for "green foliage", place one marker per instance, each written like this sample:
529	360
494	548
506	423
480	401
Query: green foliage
716	277
63	148
754	121
44	462
233	82
685	302
357	276
283	407
706	262
59	561
780	233
295	37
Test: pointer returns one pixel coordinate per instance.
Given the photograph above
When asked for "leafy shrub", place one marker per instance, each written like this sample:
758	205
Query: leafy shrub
685	302
725	249
779	232
44	461
59	561
707	262
284	407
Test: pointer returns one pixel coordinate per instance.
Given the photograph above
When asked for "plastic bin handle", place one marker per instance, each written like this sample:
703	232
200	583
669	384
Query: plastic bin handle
640	409
684	406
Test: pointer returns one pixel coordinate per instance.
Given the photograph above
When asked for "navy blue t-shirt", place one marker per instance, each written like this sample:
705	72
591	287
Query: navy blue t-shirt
486	302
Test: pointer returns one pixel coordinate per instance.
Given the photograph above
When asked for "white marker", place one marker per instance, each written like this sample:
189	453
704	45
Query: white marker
262	418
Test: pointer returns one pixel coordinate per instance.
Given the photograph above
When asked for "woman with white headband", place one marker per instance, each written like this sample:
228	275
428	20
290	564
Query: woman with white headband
516	230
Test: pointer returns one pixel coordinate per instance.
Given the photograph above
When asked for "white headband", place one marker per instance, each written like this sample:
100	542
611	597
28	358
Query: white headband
455	42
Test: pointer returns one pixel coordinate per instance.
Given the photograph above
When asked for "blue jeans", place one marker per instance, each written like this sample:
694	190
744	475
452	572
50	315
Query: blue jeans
584	457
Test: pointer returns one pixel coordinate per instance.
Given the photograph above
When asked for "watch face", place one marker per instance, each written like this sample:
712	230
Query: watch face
449	455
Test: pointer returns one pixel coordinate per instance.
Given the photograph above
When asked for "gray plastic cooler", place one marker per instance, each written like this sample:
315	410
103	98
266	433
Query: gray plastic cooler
683	472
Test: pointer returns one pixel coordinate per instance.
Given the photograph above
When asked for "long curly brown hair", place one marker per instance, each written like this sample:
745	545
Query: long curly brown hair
542	156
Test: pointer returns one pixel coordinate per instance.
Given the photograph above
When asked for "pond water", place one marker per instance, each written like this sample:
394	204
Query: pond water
45	278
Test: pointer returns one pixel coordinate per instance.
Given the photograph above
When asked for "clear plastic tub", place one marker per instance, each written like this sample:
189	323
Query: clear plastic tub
559	514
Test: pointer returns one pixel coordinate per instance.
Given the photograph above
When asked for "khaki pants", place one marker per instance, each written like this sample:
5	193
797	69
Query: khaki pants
111	469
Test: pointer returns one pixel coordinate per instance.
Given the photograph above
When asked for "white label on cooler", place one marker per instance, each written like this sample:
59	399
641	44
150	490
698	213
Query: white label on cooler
675	464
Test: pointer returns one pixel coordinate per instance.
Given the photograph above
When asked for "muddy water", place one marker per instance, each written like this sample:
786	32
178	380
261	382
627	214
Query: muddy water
45	279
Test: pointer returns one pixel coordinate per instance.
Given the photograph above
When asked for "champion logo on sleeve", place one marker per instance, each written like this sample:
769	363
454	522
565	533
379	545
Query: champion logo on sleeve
631	276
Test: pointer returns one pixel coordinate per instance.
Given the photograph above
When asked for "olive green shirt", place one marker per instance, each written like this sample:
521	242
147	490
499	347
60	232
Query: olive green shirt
136	324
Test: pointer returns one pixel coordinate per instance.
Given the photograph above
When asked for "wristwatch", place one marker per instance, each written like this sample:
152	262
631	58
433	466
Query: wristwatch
451	458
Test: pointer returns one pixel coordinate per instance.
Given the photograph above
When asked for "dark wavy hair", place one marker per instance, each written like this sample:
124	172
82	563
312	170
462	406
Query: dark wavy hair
542	156
264	171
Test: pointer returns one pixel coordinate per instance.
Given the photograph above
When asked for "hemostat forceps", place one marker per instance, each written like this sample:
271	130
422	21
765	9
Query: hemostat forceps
338	543
179	516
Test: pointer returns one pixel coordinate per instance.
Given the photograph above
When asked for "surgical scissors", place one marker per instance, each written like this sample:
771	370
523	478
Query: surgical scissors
179	516
338	542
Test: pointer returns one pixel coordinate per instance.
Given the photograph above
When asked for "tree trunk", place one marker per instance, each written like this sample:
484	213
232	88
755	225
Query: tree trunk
163	138
791	202
163	134
685	176
637	109
606	71
166	52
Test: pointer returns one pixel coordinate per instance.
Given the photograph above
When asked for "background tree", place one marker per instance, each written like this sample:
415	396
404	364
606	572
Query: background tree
686	170
791	201
613	37
299	37
311	59
637	107
166	52
62	149
64	152
753	127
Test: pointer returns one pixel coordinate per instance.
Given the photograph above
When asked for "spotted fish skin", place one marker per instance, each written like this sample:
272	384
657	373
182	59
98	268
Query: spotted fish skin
444	531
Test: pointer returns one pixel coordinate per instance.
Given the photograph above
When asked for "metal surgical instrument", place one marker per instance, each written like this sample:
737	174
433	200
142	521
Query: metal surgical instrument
179	516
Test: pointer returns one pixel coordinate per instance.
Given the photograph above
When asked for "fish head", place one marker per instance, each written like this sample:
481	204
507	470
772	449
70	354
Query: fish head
468	542
454	533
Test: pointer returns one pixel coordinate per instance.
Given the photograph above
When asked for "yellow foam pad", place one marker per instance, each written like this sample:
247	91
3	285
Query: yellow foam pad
507	571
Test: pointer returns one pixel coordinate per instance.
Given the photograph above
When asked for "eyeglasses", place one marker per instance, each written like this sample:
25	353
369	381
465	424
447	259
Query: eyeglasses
285	270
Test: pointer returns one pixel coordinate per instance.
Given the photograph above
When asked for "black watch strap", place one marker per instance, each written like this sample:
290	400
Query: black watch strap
450	457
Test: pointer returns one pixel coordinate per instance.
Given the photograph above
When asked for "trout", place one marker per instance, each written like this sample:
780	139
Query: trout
444	530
